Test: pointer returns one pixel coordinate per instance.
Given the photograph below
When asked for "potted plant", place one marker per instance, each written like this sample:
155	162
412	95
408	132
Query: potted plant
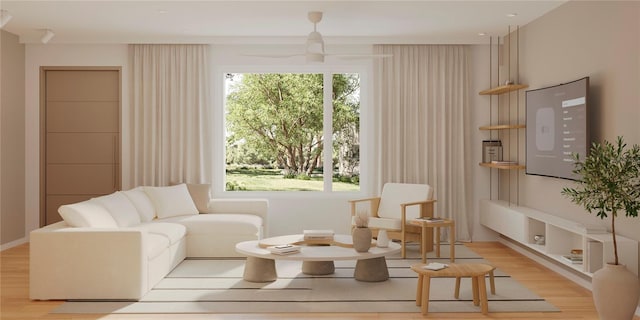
361	233
610	184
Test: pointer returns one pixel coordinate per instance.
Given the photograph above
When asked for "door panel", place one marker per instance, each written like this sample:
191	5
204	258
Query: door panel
81	148
83	85
82	116
81	179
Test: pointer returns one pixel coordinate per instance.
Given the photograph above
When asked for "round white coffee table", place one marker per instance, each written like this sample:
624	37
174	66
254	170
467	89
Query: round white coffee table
316	259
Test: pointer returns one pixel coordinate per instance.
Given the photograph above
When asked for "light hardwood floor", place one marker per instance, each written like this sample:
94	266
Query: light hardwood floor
574	301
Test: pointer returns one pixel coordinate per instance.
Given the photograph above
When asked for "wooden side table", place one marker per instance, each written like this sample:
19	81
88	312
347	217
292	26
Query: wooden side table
476	271
424	224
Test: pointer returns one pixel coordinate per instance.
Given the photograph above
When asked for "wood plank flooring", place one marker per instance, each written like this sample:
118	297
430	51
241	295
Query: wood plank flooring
574	301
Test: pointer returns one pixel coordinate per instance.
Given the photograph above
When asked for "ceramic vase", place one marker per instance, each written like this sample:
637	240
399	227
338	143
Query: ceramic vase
362	239
615	292
382	240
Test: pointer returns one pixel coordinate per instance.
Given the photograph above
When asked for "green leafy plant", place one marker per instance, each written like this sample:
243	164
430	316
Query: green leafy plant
609	182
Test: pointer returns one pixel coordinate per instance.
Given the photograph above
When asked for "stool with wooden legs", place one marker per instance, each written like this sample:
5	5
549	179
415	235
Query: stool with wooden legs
476	271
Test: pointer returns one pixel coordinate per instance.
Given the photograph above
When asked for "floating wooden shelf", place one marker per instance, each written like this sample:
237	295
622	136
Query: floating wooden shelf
502	166
503	127
503	89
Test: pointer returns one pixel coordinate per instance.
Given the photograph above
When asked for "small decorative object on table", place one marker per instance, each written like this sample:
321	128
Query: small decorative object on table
382	241
361	233
284	249
435	266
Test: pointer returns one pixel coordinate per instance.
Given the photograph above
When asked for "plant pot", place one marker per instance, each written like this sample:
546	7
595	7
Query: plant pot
362	239
615	292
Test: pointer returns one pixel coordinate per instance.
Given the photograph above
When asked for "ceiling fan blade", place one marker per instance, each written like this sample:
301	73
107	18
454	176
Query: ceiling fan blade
357	56
266	55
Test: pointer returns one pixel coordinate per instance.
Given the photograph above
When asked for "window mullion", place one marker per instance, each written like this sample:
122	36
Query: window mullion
327	131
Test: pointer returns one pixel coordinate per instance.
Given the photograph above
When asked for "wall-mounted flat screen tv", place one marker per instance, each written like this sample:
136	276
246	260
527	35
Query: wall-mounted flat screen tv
557	128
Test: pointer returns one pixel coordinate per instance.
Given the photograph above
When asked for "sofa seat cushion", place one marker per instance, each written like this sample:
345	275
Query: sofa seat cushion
174	232
156	244
219	223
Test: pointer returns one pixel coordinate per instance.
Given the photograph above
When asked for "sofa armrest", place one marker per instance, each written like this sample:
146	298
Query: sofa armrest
87	263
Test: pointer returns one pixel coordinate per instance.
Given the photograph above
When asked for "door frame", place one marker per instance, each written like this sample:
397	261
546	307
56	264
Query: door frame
43	127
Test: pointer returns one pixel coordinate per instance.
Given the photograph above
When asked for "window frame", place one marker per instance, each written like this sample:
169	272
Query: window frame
219	165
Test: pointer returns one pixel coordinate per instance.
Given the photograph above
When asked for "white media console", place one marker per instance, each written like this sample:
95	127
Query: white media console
561	236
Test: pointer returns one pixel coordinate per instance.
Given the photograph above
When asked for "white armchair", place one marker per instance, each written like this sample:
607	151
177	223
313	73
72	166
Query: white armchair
395	207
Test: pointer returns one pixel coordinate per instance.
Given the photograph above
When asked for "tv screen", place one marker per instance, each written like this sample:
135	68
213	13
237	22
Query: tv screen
556	121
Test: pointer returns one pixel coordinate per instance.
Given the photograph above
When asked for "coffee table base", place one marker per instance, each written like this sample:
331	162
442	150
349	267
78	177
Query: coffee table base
318	268
371	270
260	270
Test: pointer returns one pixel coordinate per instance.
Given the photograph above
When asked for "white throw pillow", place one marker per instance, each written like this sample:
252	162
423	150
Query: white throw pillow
143	204
122	210
87	214
171	201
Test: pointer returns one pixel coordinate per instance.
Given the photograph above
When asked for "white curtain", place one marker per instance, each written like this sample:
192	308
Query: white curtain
421	110
170	114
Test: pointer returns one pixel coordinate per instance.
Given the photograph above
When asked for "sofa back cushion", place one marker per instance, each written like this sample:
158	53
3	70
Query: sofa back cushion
171	201
87	214
142	202
121	209
201	194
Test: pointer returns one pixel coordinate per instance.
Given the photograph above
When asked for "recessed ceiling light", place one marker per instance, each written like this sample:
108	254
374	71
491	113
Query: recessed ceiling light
482	34
162	11
511	15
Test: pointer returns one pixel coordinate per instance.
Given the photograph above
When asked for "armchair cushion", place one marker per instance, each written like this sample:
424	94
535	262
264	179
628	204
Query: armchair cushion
394	194
385	223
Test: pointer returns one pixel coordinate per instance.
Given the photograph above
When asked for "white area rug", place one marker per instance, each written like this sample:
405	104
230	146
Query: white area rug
216	286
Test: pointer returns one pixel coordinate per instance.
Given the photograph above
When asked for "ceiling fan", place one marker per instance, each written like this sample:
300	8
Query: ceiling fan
314	47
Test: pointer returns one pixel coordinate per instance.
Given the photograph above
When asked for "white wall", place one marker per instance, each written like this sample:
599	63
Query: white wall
63	55
12	191
582	38
480	116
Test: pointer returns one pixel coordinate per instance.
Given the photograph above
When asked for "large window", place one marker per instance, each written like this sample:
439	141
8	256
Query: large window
292	131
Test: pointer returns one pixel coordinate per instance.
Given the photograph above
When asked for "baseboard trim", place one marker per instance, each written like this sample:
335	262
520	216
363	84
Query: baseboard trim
12	244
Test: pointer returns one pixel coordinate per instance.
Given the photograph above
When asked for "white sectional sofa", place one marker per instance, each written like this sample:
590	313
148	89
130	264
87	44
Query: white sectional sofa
118	246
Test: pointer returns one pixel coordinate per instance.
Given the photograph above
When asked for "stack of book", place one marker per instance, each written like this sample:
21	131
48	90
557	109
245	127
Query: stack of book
284	249
318	234
431	219
503	162
574	257
435	266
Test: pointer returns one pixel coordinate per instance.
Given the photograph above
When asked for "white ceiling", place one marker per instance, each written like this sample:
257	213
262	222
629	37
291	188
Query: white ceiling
267	22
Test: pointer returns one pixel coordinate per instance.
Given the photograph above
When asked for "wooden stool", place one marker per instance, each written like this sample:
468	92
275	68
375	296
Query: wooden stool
476	271
424	224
